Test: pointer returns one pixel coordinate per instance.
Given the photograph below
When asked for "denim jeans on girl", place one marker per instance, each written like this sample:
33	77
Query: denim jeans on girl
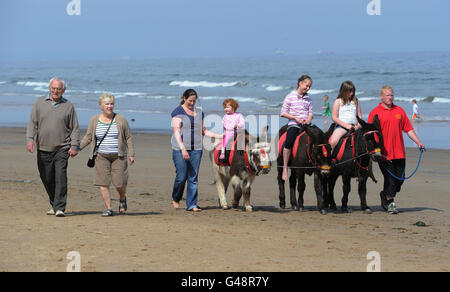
186	171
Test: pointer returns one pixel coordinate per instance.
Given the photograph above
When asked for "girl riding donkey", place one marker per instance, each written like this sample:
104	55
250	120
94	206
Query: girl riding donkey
232	122
346	108
297	107
361	142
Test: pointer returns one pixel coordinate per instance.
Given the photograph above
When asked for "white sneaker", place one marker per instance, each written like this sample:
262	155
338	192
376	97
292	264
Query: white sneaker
60	214
392	209
51	212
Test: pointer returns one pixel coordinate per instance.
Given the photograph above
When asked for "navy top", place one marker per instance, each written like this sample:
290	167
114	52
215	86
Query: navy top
191	129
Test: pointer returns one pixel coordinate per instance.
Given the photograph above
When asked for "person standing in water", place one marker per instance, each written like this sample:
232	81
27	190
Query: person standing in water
416	113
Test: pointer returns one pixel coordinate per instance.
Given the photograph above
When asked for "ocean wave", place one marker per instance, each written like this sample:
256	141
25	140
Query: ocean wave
441	100
78	91
437	119
161	96
270	87
126	111
320	91
237	98
134	93
32	83
3	82
38	86
207	84
431	99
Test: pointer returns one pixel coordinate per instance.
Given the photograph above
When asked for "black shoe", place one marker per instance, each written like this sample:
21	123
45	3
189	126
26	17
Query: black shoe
384	201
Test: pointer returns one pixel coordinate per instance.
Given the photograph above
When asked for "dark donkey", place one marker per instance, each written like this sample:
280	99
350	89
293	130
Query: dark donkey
312	155
353	160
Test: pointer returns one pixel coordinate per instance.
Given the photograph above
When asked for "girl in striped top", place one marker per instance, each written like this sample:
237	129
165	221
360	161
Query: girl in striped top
297	107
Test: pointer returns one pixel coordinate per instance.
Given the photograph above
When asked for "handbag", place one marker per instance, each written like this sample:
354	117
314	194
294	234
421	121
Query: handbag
91	161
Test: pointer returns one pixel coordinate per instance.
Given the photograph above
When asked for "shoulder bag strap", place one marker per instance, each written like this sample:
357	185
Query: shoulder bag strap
97	146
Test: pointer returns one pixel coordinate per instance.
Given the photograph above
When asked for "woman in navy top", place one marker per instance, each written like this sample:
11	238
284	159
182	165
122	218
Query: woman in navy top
187	149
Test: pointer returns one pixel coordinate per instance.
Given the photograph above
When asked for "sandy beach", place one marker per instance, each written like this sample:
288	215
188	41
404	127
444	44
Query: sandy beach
153	236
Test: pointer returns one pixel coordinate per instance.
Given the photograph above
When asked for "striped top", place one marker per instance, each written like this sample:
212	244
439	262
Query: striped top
110	144
297	106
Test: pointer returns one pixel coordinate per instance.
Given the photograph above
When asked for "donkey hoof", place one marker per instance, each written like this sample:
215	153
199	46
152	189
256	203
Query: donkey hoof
249	209
367	211
294	207
323	212
225	207
346	210
282	205
301	209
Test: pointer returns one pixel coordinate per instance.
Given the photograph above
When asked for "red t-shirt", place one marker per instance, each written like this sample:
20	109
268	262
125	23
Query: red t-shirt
392	121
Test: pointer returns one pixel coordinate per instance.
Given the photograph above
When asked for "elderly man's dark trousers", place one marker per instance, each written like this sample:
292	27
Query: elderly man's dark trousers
53	171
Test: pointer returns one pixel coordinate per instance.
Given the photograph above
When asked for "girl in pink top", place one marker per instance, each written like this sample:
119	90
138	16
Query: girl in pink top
232	121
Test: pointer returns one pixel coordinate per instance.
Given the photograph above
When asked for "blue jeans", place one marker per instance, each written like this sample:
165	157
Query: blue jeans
186	171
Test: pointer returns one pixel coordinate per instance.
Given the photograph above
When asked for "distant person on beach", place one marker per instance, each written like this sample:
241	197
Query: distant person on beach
298	108
110	134
53	130
232	122
326	111
187	149
393	121
345	109
416	113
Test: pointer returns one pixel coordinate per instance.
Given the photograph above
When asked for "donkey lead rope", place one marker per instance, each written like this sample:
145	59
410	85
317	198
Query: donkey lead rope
405	178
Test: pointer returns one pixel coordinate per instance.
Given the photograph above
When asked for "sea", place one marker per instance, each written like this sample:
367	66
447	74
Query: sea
147	90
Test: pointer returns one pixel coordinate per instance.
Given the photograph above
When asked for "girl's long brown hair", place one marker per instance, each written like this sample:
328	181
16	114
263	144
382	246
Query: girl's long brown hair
346	87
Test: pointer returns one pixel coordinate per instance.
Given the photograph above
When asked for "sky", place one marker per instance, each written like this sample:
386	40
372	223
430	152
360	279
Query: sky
114	29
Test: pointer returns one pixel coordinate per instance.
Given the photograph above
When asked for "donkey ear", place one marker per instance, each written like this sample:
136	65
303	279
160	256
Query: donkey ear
376	122
312	132
263	135
361	122
308	130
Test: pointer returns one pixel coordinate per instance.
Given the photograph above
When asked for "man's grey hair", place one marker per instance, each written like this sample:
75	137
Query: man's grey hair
58	79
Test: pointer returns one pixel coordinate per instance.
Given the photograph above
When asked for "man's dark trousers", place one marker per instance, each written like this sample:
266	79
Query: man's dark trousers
53	171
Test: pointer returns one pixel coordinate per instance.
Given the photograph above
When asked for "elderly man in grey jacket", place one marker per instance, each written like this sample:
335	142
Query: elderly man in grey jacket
53	130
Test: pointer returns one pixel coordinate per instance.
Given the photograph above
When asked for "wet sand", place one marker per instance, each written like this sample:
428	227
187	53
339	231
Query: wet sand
152	236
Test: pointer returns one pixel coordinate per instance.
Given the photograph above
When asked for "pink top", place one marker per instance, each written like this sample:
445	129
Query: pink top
231	122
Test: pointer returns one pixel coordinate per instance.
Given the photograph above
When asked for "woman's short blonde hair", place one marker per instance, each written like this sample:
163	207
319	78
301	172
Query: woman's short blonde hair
105	97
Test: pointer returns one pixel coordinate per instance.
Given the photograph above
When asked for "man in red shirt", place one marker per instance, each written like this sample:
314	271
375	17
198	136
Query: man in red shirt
393	122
